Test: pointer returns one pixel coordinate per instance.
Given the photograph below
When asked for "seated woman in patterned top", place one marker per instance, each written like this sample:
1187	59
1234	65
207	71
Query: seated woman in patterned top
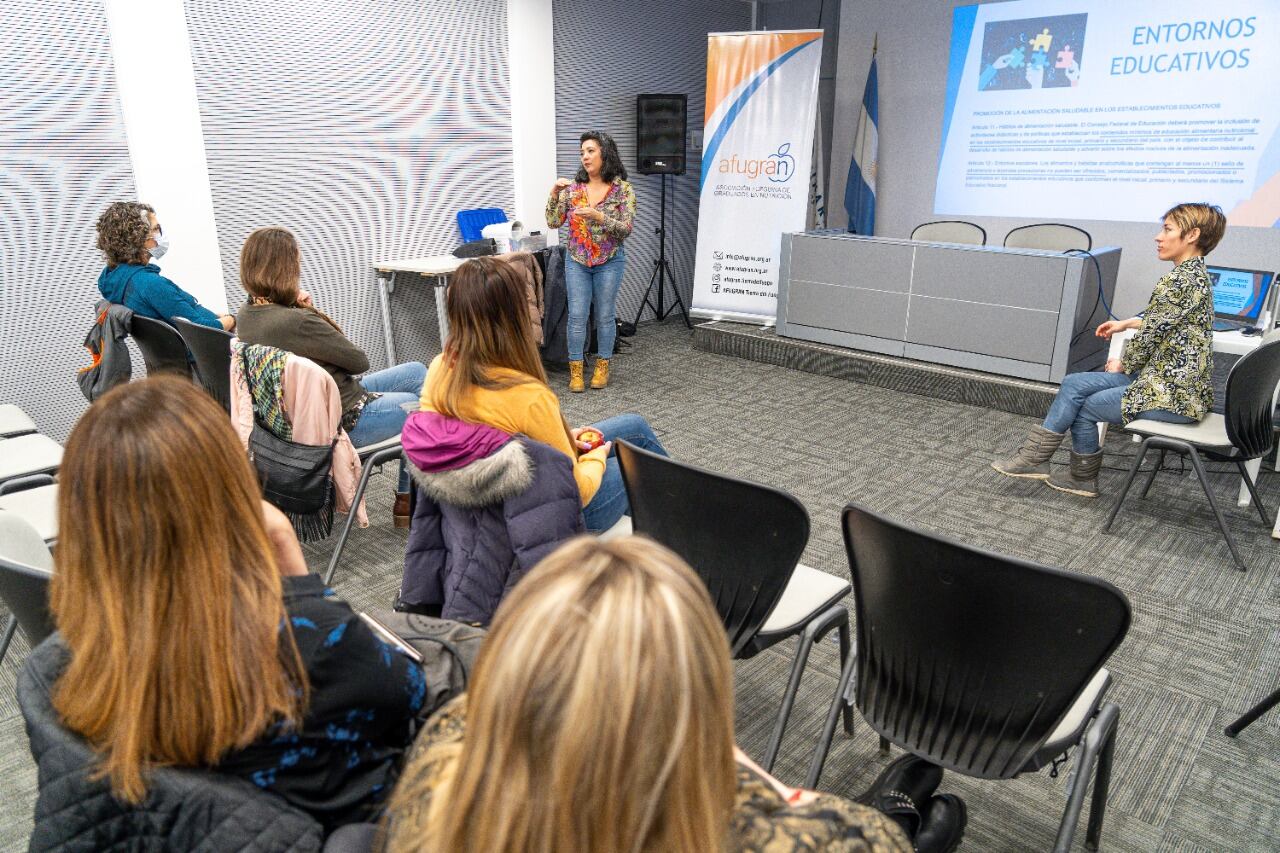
1164	375
189	631
600	718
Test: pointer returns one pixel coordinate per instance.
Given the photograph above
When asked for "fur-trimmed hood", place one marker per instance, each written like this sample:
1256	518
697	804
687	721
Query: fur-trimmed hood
492	479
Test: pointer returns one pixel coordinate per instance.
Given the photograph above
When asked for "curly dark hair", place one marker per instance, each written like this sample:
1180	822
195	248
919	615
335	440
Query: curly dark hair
611	166
123	230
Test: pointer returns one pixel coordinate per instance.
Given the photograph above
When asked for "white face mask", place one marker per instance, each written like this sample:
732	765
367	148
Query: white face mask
162	246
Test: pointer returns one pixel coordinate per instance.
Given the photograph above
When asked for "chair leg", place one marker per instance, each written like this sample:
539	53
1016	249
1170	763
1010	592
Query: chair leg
1253	492
829	728
1101	785
1095	740
1133	472
10	626
1213	504
366	471
845	646
1151	478
1252	714
817	628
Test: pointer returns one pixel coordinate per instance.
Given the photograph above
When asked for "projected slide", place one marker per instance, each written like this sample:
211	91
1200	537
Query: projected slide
1102	109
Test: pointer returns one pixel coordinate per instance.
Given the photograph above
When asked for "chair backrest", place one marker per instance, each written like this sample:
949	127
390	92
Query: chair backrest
1053	236
26	567
211	348
1251	387
161	345
969	658
471	222
744	540
951	231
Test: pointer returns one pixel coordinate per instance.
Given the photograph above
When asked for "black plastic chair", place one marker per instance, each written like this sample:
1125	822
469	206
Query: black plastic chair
1051	236
1242	433
25	569
744	540
951	231
211	349
987	665
162	348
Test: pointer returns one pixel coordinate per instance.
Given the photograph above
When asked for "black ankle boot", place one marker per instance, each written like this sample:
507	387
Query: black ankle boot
902	790
942	825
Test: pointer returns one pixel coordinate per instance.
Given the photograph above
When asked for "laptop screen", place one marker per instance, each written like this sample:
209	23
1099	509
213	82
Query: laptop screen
1239	294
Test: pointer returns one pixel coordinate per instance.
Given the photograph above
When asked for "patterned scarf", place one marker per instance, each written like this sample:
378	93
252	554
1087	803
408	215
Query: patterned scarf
264	372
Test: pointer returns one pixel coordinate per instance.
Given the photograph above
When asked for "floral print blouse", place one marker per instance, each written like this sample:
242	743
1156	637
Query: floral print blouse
1172	352
762	821
593	243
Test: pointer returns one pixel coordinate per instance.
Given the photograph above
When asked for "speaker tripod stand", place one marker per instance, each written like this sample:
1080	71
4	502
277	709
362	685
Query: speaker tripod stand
661	272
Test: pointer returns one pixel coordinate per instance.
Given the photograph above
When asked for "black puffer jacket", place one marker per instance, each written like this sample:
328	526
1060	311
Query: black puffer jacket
477	529
184	810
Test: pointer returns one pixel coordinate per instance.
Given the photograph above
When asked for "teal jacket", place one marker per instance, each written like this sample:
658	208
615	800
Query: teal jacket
152	295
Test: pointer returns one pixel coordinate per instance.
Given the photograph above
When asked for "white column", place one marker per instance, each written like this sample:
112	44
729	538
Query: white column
530	54
157	88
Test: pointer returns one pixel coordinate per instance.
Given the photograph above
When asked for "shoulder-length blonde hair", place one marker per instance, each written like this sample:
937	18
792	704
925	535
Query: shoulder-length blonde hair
600	717
488	328
166	589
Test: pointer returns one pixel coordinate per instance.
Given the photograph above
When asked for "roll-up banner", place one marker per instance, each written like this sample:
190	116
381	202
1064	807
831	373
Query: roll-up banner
762	103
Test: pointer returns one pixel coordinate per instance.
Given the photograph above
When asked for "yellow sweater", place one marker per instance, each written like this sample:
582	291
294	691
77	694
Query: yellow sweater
530	409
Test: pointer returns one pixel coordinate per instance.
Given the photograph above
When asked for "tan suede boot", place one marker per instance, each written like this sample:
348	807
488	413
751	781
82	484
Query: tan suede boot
575	377
600	376
400	510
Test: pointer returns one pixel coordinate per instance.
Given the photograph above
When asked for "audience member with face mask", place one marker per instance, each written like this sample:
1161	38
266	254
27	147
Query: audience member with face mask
130	237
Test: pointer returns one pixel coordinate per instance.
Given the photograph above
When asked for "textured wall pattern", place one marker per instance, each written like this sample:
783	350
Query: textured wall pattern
63	159
603	60
361	125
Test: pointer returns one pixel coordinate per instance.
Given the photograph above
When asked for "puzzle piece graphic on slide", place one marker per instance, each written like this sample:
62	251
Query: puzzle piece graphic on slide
1039	59
1017	57
1066	57
1043	41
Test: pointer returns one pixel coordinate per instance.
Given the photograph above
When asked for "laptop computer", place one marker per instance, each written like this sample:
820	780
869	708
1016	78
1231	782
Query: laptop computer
1239	296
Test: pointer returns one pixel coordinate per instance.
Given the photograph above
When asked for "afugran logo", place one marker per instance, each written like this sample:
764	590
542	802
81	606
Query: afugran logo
777	167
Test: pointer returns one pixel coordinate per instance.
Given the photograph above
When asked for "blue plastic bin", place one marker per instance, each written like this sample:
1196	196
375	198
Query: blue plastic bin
470	222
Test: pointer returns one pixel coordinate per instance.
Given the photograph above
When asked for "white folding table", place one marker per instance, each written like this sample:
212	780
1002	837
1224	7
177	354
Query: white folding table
436	267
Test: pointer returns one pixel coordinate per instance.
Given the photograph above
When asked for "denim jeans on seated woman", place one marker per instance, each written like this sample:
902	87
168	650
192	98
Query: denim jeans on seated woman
610	501
1087	399
384	417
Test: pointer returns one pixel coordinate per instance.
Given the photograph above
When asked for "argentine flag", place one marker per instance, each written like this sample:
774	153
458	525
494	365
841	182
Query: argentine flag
860	191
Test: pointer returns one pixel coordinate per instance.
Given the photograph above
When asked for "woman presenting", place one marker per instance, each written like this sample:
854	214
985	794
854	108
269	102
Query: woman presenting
599	205
1165	374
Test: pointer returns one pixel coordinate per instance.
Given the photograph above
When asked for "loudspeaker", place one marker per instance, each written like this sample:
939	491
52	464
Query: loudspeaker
660	134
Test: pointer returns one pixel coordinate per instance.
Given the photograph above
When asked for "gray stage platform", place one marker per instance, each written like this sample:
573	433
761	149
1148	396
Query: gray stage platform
1018	396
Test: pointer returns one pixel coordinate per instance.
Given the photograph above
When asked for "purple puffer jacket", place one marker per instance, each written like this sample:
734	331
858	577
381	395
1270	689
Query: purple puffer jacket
488	507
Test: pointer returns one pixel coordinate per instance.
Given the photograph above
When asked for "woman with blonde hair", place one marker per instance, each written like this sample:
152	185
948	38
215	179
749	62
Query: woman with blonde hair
600	718
490	373
280	314
189	631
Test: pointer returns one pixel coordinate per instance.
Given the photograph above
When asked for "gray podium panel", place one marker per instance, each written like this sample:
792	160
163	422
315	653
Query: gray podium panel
1020	334
845	308
880	266
1022	281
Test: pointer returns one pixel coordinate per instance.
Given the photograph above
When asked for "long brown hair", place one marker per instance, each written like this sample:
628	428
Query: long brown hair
166	589
270	265
611	731
488	328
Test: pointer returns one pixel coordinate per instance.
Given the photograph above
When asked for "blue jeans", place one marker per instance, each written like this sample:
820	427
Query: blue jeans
610	501
1088	399
585	284
384	417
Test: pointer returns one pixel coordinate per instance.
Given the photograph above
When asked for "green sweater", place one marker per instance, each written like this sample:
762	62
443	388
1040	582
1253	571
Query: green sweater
304	332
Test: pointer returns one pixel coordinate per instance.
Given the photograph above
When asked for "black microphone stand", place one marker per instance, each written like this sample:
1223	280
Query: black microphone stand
661	271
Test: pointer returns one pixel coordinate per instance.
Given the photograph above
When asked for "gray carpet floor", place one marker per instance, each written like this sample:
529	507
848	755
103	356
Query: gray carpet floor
1204	644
